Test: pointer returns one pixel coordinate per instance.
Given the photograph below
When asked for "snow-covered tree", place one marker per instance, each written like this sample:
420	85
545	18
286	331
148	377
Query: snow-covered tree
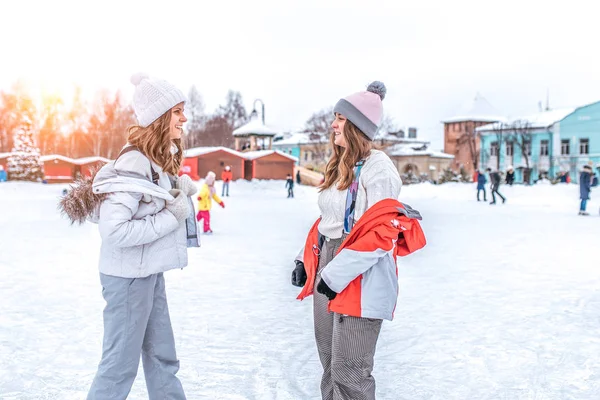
24	164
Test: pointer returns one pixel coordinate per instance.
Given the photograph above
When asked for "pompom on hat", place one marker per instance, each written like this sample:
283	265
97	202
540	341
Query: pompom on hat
364	109
153	97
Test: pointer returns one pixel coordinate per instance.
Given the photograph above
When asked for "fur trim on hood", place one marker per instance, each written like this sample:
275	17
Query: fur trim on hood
80	202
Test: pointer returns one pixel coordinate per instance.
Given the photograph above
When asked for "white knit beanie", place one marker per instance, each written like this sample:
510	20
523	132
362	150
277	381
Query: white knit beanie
153	97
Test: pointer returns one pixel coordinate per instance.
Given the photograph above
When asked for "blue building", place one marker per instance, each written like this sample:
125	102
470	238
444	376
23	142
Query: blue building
550	142
291	144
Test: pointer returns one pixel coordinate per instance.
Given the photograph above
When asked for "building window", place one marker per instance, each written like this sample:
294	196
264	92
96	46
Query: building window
412	133
306	156
510	149
527	148
544	148
494	151
584	146
565	147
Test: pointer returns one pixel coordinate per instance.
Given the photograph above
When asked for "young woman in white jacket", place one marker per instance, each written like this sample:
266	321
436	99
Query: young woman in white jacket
356	178
142	216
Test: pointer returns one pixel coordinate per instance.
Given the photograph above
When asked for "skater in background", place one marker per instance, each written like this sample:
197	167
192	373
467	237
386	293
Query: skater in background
289	184
207	194
3	177
510	175
495	180
585	187
481	181
226	177
349	258
298	179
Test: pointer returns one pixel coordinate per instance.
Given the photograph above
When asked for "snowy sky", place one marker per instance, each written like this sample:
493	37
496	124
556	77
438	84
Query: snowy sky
300	56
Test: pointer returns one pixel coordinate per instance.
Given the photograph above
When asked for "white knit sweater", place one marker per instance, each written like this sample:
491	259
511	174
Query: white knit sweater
378	180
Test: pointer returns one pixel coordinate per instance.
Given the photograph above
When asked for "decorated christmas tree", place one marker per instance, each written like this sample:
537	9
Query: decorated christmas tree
24	163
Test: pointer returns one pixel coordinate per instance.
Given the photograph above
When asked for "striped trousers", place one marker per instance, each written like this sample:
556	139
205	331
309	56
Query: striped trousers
346	344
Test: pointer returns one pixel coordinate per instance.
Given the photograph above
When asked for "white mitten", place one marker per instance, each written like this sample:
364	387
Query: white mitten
179	206
185	184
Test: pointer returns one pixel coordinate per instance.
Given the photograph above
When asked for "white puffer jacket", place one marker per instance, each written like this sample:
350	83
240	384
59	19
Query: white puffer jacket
140	237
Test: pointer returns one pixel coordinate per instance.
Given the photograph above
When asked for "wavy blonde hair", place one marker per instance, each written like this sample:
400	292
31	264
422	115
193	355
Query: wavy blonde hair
155	142
340	168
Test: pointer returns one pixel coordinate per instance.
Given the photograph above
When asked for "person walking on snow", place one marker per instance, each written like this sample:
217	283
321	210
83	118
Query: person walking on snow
481	181
289	184
298	178
585	187
226	177
207	194
143	211
495	179
2	174
510	175
350	252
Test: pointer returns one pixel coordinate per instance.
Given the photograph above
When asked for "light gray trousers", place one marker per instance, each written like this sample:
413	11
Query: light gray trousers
136	321
346	344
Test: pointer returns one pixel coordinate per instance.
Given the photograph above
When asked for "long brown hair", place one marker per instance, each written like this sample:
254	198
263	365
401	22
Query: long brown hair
155	142
340	167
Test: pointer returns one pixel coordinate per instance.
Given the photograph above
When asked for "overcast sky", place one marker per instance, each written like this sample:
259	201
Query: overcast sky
301	56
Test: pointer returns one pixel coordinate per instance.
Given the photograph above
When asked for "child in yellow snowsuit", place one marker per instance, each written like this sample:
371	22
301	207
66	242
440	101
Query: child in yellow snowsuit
205	198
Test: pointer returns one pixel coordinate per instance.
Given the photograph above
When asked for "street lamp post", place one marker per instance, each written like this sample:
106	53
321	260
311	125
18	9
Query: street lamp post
262	109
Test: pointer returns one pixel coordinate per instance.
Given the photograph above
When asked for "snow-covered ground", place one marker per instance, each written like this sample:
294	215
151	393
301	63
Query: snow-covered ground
503	303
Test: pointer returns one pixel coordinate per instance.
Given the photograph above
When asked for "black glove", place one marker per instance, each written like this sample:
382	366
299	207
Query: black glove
299	274
324	289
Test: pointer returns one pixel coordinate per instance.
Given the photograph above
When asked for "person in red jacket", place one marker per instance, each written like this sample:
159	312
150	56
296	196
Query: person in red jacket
226	177
350	252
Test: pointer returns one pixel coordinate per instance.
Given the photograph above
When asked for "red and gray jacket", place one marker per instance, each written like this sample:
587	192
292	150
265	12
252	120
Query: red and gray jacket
364	271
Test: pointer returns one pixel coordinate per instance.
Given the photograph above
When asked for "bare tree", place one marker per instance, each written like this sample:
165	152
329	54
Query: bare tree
233	110
216	132
78	124
194	110
8	120
387	127
469	140
12	104
108	125
521	133
499	131
50	127
318	128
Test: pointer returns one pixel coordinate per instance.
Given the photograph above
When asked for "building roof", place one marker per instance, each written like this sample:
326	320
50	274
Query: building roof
255	127
412	150
294	139
478	109
248	155
198	151
298	138
253	155
76	161
393	138
538	120
87	160
6	155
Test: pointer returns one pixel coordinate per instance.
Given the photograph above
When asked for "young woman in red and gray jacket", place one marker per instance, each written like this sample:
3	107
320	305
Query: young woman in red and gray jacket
350	252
